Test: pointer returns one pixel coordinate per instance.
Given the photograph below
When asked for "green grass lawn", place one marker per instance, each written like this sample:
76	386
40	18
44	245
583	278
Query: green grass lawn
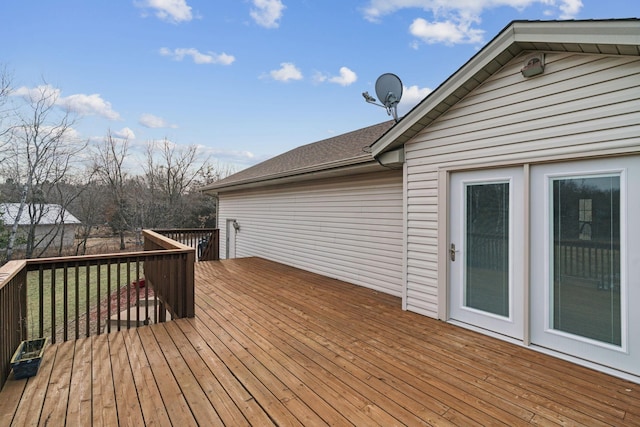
82	285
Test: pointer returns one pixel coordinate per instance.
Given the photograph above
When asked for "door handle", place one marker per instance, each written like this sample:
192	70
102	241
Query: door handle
452	252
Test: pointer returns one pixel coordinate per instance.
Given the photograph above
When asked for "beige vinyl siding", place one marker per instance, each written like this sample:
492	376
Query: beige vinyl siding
349	228
583	105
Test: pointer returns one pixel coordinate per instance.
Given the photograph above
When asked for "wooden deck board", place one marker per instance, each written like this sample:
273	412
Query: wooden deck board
172	396
11	396
127	403
54	410
153	409
195	397
79	410
233	396
103	394
273	345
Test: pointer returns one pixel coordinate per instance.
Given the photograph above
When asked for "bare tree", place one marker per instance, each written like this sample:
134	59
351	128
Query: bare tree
89	207
5	91
109	168
41	149
171	172
65	193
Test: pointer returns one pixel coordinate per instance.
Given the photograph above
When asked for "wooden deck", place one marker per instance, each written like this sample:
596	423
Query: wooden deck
272	345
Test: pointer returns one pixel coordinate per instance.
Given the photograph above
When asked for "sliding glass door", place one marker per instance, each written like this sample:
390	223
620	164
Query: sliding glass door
585	260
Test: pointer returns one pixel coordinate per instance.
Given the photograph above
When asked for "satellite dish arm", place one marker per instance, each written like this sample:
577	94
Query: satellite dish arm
371	100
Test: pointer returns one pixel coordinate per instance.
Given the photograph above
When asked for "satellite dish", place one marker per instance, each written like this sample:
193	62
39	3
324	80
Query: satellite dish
389	92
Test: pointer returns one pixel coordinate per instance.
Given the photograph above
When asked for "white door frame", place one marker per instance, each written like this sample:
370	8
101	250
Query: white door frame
512	325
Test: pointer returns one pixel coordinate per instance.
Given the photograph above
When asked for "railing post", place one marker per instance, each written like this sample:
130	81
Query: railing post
13	312
189	285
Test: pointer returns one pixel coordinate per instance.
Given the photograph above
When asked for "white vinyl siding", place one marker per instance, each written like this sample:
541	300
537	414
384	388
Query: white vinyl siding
350	228
583	105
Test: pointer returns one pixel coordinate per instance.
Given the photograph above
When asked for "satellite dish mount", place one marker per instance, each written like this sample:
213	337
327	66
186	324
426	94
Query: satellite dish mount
389	92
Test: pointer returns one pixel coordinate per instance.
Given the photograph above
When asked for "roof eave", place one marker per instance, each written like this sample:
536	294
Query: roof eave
343	167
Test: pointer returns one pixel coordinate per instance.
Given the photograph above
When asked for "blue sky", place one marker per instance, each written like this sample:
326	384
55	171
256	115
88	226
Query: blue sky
250	79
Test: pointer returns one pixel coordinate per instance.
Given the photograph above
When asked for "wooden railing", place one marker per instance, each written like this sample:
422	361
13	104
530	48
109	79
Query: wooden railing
173	281
13	303
206	241
72	297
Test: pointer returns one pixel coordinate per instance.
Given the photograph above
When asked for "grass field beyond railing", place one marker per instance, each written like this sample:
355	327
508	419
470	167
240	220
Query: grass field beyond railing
86	297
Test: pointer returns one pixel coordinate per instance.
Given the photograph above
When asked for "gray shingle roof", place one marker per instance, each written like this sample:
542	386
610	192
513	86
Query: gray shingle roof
347	149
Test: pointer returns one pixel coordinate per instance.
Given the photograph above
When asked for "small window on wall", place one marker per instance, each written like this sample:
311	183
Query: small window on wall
585	216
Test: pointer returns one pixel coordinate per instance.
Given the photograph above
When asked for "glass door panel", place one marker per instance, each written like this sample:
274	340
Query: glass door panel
487	248
585	260
585	254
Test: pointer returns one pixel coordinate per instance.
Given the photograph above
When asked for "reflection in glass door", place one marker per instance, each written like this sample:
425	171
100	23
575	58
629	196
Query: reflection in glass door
486	248
585	300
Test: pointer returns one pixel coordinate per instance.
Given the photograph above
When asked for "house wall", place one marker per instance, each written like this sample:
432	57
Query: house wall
349	228
582	106
47	234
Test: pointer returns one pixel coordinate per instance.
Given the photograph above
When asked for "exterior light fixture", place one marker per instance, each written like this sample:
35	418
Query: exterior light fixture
533	65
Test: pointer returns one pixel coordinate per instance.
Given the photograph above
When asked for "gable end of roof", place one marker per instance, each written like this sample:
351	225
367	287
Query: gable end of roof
610	37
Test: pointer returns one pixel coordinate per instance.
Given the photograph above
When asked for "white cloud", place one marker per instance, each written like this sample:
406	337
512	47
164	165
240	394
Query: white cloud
84	105
455	21
174	11
231	154
72	134
569	8
267	13
90	105
154	122
197	56
345	78
411	96
125	133
445	32
287	71
40	92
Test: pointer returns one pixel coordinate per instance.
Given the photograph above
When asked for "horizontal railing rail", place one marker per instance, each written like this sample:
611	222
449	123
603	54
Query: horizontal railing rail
71	297
206	241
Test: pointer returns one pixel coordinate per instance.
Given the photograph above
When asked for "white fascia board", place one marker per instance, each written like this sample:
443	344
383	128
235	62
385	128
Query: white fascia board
618	32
